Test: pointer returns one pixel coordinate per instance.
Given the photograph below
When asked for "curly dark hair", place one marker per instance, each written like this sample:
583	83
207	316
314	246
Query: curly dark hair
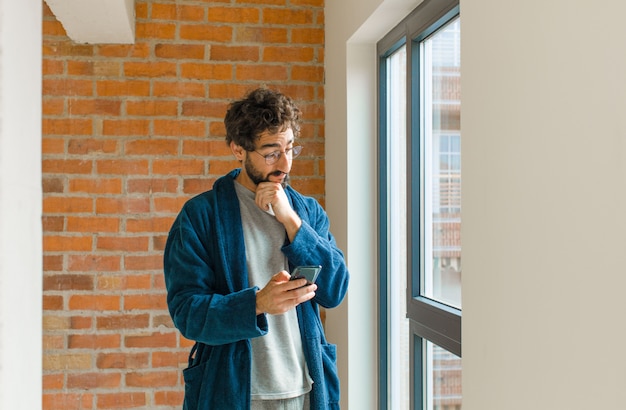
261	110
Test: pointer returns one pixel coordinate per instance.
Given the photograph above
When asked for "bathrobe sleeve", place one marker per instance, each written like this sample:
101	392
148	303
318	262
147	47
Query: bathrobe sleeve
315	245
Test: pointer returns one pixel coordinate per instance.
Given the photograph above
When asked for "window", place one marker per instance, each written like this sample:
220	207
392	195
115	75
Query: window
420	210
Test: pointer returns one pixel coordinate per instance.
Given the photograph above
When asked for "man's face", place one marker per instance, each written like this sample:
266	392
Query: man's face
254	163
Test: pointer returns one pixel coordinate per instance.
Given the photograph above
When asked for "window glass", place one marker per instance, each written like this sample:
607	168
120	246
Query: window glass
443	370
441	151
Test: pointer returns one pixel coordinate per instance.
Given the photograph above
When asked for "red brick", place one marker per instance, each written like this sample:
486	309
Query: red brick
152	379
53	106
67	401
53	28
53	145
204	109
210	71
85	146
67	204
126	127
90	224
291	16
123	167
171	205
180	128
67	126
53	263
180	51
261	72
53	381
264	2
287	54
148	224
169	398
93	341
126	244
125	282
84	106
120	400
151	340
145	302
52	303
80	322
123	322
163	11
169	359
234	15
94	68
262	35
179	89
115	88
314	3
307	35
66	47
191	13
206	32
178	12
151	147
96	186
197	185
234	53
122	205
52	67
206	148
149	69
94	302
154	30
53	243
67	87
53	185
88	381
307	73
223	166
152	108
122	360
152	185
178	167
67	282
138	50
90	263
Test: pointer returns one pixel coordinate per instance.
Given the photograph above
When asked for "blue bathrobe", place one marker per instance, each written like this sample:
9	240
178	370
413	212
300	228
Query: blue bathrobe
211	302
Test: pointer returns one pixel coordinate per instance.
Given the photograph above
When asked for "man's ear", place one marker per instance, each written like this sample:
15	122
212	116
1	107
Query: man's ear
237	150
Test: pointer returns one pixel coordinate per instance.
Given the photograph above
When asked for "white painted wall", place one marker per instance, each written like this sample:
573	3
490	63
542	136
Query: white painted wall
20	204
544	204
544	194
96	21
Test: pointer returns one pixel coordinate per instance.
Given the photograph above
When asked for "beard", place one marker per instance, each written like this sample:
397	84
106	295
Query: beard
257	177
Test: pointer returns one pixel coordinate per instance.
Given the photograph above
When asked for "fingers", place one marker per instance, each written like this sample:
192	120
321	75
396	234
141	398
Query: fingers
269	193
279	296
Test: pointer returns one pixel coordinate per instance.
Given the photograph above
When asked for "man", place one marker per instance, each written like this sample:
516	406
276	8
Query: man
259	340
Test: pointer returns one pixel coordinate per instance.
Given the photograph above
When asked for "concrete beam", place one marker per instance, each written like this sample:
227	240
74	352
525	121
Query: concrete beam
96	21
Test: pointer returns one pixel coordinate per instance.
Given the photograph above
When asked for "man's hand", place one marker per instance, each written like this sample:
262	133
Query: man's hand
272	193
280	294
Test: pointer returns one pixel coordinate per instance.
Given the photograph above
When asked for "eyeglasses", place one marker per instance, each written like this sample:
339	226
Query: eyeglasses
274	156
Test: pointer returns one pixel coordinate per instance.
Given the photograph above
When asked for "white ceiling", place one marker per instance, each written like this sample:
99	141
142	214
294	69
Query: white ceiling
96	21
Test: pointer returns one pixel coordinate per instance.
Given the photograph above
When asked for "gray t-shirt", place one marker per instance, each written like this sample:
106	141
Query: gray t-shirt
278	367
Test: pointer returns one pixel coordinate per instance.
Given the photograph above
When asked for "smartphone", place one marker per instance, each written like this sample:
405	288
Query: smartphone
309	273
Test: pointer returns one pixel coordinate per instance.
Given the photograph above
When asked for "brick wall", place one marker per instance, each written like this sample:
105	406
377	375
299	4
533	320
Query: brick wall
129	133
